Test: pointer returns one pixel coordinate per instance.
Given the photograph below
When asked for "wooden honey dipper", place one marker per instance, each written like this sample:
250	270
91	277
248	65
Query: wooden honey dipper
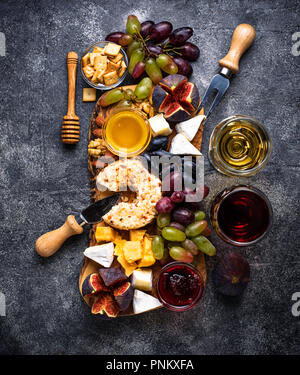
70	130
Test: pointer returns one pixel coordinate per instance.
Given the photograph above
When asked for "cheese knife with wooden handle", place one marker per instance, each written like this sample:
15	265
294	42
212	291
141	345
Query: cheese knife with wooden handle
49	243
242	38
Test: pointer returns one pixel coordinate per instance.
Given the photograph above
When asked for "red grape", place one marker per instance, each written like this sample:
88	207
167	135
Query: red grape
184	67
177	225
114	37
177	197
160	31
164	205
181	35
138	70
171	182
155	49
189	51
183	216
146	27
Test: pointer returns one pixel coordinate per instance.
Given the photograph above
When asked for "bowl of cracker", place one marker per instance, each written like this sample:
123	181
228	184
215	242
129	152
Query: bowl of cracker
104	65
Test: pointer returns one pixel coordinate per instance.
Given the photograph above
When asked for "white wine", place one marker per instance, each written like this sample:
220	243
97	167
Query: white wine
239	146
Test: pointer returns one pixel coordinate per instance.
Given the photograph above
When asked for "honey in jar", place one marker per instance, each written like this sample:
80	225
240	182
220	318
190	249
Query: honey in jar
127	132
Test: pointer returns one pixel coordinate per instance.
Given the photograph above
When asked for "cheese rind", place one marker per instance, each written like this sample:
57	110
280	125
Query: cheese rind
142	279
144	302
180	145
101	254
190	127
159	125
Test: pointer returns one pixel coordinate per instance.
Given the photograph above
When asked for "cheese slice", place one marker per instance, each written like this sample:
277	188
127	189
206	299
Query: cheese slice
144	302
142	279
101	254
190	127
159	125
180	145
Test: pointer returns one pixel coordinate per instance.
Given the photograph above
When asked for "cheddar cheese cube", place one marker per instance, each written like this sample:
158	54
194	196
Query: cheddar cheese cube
148	257
128	267
132	251
104	234
136	234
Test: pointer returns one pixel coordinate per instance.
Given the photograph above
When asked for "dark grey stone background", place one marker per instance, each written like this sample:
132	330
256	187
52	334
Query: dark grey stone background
42	181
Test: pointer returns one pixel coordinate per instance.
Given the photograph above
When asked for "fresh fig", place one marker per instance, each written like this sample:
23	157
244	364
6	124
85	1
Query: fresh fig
123	295
105	303
231	275
93	284
112	276
176	97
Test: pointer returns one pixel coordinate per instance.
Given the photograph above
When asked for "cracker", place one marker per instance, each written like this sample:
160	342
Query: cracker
111	78
116	59
88	71
122	69
112	49
89	94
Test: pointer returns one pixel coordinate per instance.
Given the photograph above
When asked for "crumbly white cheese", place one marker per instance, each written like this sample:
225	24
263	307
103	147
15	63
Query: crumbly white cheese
181	145
101	254
144	302
159	125
142	279
190	127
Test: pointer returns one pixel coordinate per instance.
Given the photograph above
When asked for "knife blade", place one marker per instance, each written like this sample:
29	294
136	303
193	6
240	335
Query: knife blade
49	243
94	212
242	38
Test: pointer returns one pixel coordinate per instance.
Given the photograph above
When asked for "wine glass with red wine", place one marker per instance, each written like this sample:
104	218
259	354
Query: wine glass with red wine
241	215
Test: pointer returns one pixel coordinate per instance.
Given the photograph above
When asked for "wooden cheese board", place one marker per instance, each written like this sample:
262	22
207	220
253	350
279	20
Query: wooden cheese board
89	265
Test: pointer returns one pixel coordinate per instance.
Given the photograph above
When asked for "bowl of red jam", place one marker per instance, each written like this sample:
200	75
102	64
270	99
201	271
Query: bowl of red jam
179	286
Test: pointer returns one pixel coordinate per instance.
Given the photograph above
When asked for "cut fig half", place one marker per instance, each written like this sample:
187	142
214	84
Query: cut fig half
176	97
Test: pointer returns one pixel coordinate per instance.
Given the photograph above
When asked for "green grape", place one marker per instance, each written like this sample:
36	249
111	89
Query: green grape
137	56
132	47
173	234
111	97
163	220
143	90
128	94
180	254
124	103
171	68
133	24
153	70
194	229
204	245
163	60
166	63
158	247
199	215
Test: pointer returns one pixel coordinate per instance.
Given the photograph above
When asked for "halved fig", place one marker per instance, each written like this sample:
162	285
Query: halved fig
105	303
123	295
112	276
176	97
93	284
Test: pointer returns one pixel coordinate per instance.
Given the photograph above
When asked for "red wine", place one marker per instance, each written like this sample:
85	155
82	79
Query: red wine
179	286
243	215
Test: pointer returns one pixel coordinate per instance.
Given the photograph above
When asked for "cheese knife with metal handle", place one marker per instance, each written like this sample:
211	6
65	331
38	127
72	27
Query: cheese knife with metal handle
242	38
50	242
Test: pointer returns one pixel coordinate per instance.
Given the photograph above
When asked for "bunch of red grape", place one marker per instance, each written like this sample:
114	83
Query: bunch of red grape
182	230
153	48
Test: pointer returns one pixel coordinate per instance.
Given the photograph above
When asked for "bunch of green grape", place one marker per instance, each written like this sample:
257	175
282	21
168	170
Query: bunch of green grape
154	48
125	97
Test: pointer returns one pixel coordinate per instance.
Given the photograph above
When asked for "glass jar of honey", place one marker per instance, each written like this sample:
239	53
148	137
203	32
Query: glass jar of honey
240	146
127	132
